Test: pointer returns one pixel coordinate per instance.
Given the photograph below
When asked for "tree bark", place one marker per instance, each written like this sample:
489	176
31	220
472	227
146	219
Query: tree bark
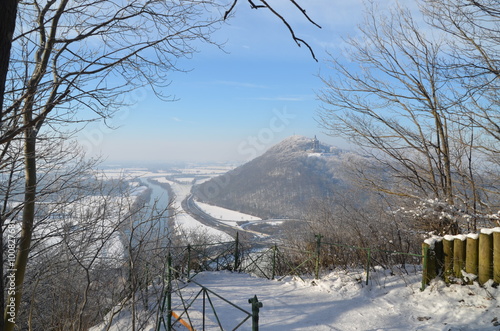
27	221
8	14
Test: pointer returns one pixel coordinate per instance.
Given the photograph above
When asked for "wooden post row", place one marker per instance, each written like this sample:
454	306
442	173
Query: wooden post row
448	254
485	260
472	256
476	254
496	256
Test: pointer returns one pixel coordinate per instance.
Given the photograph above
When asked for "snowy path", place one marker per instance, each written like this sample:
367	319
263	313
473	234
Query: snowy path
340	302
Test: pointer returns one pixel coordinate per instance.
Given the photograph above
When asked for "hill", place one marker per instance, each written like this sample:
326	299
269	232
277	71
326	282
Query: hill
281	182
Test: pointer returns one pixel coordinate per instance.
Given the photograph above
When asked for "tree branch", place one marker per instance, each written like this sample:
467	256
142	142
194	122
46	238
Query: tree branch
298	41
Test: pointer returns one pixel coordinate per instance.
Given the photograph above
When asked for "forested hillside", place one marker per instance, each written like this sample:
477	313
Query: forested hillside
281	182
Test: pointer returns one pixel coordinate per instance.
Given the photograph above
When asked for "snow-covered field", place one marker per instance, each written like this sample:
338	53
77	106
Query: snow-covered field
226	216
340	301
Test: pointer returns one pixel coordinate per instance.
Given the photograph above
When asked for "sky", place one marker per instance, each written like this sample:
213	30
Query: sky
234	104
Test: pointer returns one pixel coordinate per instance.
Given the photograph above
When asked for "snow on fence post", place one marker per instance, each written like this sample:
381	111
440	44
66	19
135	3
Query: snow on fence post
466	257
448	245
485	270
458	255
496	255
472	255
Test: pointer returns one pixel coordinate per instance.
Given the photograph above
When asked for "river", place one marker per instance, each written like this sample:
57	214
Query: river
157	212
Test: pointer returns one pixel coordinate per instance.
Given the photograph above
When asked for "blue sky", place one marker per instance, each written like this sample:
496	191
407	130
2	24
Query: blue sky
233	105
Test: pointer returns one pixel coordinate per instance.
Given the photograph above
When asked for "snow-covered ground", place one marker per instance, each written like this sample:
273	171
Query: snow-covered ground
226	216
341	301
338	301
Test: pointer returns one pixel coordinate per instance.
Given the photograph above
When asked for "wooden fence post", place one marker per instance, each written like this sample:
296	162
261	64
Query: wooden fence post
448	257
429	264
496	255
438	249
459	255
472	255
485	270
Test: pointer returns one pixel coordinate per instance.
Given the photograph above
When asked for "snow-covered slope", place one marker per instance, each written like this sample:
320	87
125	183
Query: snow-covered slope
340	301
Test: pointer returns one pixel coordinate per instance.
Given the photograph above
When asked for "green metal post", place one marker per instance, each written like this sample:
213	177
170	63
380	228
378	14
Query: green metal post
147	285
256	305
425	251
189	262
167	299
368	265
318	252
169	292
275	248
204	307
236	252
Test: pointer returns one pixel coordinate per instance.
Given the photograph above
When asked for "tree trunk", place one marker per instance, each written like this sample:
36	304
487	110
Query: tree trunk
8	13
27	223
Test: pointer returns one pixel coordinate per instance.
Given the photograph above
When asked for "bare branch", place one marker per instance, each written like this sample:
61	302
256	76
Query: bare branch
298	41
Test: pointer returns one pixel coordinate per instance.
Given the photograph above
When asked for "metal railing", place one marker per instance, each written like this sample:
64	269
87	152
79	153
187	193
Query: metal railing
168	318
275	262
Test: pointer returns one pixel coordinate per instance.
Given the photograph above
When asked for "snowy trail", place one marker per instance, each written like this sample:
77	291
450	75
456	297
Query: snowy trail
340	302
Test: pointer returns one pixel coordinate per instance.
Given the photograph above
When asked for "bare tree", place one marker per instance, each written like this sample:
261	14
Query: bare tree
66	60
71	57
396	99
96	247
472	28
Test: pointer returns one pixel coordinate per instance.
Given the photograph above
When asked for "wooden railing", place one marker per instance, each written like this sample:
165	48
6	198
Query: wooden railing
463	258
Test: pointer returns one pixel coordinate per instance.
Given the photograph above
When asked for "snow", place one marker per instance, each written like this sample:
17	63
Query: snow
490	231
340	301
184	220
433	240
224	214
449	237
